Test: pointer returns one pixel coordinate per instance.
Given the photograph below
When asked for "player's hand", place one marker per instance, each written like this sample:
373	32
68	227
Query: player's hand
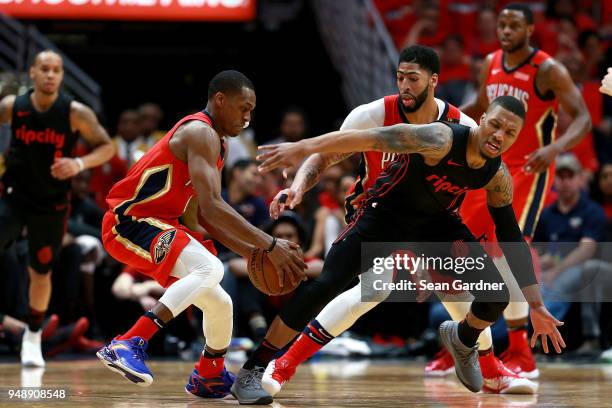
285	198
545	325
606	83
281	156
539	160
285	259
64	168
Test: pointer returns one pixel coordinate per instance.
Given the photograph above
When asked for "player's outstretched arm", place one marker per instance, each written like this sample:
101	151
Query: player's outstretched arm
432	141
307	177
518	255
84	121
221	220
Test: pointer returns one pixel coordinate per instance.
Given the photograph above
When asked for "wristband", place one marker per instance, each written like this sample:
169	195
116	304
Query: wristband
272	245
80	163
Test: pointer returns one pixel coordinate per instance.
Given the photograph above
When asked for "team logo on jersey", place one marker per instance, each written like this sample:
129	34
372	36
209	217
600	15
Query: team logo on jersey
163	245
442	184
386	159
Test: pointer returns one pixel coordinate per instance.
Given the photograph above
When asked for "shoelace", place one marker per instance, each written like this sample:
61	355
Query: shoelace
252	381
140	353
468	356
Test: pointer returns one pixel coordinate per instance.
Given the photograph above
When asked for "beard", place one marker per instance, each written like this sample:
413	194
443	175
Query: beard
517	46
418	101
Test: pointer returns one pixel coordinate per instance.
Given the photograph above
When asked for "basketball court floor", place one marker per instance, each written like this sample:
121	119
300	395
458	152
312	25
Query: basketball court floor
325	384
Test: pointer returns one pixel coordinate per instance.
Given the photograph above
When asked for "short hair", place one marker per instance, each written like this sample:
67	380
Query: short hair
242	164
425	57
509	103
45	51
228	81
523	8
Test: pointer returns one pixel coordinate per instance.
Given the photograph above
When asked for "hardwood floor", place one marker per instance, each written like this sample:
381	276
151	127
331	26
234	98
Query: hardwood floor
330	384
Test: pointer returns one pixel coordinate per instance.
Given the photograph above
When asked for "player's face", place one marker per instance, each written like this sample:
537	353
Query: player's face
235	110
415	85
513	32
47	73
498	130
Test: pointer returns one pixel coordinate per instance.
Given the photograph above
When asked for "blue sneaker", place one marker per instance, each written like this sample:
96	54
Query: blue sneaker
127	357
214	387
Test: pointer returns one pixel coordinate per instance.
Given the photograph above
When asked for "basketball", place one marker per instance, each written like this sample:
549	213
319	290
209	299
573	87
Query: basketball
264	277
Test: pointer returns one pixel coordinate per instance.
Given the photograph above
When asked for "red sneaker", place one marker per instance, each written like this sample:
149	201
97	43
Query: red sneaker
499	379
441	366
50	327
519	357
277	373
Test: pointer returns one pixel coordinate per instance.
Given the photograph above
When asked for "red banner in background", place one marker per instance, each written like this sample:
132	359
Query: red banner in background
168	10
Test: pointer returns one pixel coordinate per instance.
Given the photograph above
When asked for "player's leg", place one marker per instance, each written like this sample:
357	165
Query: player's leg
337	316
340	268
199	274
45	234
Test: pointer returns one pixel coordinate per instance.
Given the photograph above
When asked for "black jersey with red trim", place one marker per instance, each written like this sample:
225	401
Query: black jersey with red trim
373	163
37	139
411	193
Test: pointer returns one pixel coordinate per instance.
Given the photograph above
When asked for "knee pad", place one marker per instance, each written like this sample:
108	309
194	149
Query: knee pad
197	261
367	284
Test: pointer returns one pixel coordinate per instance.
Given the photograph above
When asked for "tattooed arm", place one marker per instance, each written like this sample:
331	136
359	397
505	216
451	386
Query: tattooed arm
433	141
518	256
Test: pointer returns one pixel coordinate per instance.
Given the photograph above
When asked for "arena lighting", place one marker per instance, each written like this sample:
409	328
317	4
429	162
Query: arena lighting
168	10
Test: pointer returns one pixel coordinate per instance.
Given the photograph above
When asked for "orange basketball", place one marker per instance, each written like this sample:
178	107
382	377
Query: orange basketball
264	277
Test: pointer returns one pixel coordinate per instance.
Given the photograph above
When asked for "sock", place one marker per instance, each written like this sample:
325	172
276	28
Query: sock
312	339
517	337
263	354
145	327
467	334
36	319
211	364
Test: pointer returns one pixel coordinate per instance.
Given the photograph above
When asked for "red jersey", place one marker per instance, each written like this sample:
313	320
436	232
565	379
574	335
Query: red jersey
372	163
158	185
541	110
141	228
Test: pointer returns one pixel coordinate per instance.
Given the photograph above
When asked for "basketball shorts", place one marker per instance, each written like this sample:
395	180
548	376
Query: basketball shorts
149	245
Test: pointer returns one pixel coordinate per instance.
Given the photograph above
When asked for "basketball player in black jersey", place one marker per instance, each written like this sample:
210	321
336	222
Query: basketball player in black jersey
45	125
416	200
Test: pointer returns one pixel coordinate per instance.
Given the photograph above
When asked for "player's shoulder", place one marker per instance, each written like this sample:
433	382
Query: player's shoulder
454	114
366	116
196	133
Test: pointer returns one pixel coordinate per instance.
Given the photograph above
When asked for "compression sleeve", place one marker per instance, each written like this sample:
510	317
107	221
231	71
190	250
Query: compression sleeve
513	245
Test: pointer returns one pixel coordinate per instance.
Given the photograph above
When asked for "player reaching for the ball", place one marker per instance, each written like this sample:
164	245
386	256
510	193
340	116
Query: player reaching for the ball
142	230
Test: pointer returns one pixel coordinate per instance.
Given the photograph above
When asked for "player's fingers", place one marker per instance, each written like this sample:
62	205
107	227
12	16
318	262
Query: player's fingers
265	156
545	342
295	200
559	338
555	342
534	339
267	147
293	245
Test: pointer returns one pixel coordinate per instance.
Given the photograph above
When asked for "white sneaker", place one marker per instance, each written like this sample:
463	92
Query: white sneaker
606	356
31	352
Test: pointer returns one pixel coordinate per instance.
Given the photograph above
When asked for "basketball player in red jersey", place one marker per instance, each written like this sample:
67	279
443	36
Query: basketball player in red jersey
180	178
417	76
541	83
45	126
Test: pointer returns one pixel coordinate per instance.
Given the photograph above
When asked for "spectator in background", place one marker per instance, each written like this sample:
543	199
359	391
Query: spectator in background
568	233
131	145
592	49
150	117
293	126
431	27
585	150
241	147
602	193
453	85
484	40
329	218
